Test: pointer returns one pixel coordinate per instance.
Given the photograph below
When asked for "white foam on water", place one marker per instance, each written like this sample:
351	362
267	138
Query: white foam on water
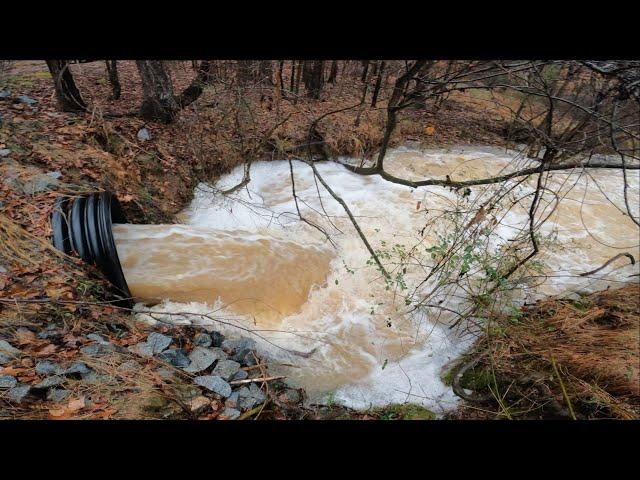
368	351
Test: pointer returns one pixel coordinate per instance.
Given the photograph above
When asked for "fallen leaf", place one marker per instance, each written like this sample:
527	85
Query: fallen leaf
430	130
77	404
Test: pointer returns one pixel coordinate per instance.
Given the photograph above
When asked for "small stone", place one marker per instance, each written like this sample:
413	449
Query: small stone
202	340
49	382
5	93
76	368
17	394
214	384
4	152
94	350
92	378
229	414
7	349
7	381
201	358
98	339
54	175
216	339
158	342
142	349
237	345
4	358
198	404
27	100
240	375
245	357
291	395
232	401
47	368
57	395
143	134
226	369
250	397
176	357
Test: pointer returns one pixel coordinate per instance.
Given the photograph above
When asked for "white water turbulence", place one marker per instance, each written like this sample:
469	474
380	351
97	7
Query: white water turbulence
247	259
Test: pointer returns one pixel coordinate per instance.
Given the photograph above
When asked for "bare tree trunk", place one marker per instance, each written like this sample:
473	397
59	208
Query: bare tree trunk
114	78
298	77
376	89
158	103
313	78
67	93
293	76
334	72
365	70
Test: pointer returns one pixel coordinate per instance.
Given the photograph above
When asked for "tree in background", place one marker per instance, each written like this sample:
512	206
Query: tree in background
158	103
67	93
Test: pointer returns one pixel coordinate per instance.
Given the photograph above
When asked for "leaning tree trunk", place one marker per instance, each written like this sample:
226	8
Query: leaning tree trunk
376	89
114	78
195	89
158	103
313	78
67	93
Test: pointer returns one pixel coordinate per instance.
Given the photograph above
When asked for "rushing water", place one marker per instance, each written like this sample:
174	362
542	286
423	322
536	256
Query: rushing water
246	259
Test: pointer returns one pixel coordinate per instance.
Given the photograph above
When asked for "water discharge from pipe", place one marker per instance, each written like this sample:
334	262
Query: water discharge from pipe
250	259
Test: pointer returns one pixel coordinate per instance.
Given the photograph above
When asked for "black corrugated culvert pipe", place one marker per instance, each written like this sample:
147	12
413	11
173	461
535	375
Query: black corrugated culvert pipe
84	226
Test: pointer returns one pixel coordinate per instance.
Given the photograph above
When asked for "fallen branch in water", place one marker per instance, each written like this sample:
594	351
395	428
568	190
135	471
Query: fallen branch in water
608	262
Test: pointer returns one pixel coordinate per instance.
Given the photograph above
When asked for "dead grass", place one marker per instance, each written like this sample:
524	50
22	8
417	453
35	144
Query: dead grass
595	344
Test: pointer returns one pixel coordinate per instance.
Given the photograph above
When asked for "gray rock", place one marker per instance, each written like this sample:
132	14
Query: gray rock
4	358
98	339
7	381
49	382
5	93
226	369
92	378
143	134
201	358
216	339
47	368
240	375
176	357
214	384
250	397
232	401
257	393
17	394
4	152
95	350
245	356
292	395
58	395
237	345
142	349
7	349
55	175
27	100
158	342
202	340
229	414
76	368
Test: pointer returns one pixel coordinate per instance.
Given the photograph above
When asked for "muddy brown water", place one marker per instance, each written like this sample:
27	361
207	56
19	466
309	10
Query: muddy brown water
248	260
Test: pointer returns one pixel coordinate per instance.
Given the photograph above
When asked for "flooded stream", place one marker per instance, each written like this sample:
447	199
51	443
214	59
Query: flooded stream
248	260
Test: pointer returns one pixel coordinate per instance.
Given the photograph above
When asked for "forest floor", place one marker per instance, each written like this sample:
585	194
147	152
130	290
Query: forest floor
67	353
